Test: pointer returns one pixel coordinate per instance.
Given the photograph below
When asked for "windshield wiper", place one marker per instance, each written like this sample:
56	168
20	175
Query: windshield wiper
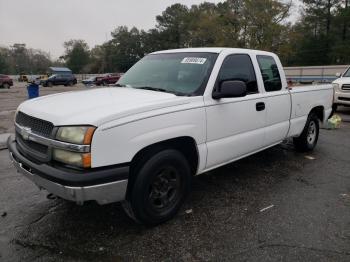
161	90
154	89
120	85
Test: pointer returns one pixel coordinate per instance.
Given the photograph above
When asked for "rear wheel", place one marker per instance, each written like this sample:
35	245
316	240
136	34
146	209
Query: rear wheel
160	187
50	84
308	139
70	83
334	108
6	85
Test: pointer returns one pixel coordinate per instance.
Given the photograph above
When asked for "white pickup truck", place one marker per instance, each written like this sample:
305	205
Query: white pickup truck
173	115
342	90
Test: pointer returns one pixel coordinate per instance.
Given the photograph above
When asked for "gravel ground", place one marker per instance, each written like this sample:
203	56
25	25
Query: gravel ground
277	205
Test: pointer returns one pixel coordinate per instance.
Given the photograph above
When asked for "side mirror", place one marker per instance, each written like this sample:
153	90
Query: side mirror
338	74
229	89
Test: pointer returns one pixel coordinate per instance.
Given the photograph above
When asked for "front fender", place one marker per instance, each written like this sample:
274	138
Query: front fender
121	143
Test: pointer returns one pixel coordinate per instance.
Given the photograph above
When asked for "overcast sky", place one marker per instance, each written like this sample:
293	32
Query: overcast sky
46	24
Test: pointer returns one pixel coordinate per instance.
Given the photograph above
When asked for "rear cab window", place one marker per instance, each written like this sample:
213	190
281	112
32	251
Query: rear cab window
239	67
270	73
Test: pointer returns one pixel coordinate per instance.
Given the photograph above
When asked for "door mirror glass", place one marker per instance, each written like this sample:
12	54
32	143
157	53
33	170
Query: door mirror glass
229	89
338	74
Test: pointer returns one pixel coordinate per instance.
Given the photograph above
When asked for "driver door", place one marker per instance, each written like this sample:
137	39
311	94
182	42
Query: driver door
235	126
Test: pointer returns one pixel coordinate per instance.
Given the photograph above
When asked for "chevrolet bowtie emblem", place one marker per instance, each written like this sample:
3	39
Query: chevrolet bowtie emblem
25	132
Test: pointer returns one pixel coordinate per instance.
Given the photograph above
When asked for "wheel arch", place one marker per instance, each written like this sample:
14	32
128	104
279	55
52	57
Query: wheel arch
319	112
185	144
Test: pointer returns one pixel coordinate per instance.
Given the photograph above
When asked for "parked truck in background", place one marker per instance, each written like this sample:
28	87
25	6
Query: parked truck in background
108	79
5	81
342	90
173	115
59	79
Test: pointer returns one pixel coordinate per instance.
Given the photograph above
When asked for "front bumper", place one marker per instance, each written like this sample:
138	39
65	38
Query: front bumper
341	98
104	186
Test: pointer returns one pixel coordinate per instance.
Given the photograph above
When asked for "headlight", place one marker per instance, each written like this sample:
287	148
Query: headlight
76	134
336	86
72	158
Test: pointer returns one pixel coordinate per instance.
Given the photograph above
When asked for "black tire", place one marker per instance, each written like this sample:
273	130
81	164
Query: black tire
6	85
308	139
104	83
70	83
159	189
50	84
334	108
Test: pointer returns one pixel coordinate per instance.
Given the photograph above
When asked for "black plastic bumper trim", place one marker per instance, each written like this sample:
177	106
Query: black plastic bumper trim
71	177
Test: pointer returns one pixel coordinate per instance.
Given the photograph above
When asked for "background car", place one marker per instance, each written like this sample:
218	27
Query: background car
91	80
62	79
22	78
5	81
342	90
108	79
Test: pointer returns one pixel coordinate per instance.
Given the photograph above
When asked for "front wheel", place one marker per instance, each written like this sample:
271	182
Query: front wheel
334	109
161	186
308	139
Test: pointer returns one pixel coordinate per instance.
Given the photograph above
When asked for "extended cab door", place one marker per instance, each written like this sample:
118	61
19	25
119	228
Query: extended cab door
235	126
277	99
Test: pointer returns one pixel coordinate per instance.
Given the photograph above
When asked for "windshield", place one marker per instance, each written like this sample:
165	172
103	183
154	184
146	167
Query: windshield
347	73
179	73
52	76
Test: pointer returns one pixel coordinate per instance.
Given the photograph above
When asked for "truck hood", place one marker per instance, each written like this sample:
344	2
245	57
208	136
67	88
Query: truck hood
98	106
342	80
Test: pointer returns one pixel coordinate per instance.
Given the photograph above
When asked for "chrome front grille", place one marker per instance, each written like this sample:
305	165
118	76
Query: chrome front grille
38	126
346	87
43	149
33	125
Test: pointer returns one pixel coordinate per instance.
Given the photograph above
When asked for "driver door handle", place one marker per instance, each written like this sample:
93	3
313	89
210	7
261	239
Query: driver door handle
260	106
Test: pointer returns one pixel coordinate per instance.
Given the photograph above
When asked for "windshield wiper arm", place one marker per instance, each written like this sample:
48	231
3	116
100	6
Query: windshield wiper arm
120	85
153	89
158	89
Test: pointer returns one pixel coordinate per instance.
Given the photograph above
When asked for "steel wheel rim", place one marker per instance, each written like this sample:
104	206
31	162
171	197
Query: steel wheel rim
164	189
311	133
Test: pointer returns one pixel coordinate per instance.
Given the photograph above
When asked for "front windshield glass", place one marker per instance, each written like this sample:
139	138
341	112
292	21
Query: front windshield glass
178	73
347	73
52	76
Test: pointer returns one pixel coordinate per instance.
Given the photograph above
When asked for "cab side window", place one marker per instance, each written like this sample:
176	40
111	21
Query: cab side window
270	73
239	67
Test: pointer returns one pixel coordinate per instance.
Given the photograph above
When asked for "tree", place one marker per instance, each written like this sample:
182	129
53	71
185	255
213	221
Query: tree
173	24
124	49
319	12
77	55
4	61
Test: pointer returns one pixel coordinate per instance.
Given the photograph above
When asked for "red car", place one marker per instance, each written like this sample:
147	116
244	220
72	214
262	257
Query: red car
108	79
5	81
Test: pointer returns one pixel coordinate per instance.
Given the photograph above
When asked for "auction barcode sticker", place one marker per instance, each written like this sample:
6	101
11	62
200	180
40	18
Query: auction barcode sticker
193	60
